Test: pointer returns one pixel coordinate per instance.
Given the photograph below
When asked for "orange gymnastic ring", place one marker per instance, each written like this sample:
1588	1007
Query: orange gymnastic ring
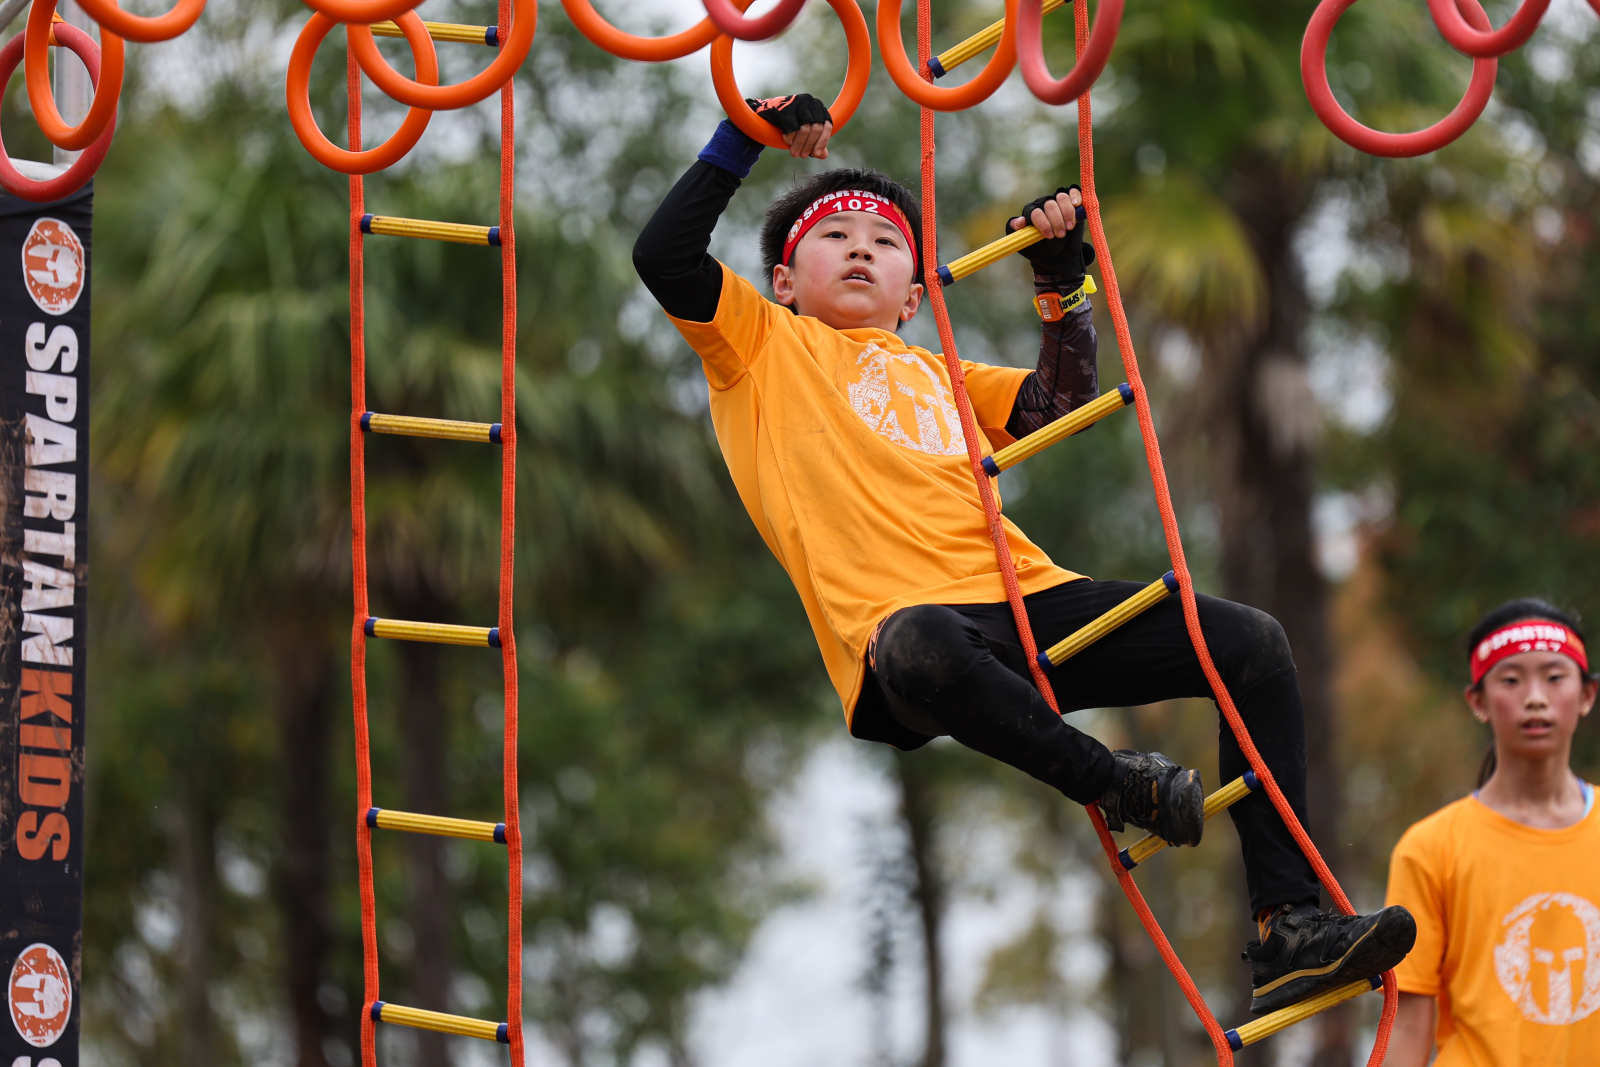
858	67
73	178
524	17
892	45
1454	28
1030	50
645	49
37	37
732	21
138	28
1314	75
297	87
362	12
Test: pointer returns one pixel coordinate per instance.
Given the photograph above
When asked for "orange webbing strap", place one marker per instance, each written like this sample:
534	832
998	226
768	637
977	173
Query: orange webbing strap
1008	572
1169	524
358	568
508	530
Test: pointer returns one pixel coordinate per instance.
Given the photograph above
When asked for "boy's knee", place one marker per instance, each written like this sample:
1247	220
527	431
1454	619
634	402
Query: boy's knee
1257	645
920	651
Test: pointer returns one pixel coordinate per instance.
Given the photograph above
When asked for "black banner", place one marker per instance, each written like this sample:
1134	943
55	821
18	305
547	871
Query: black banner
44	483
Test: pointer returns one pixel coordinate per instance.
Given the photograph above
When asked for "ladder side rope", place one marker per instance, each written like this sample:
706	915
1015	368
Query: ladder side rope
1169	523
508	521
997	533
358	567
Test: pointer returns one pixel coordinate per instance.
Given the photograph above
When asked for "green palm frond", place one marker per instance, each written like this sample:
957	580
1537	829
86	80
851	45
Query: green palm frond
1181	253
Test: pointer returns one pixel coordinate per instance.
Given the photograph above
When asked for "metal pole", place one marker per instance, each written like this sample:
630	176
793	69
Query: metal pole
73	88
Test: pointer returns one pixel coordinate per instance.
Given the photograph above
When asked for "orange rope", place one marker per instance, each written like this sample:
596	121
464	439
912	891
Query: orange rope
508	534
358	567
1169	524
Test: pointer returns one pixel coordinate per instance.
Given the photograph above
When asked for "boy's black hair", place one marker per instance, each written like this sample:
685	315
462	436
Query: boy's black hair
1528	607
782	212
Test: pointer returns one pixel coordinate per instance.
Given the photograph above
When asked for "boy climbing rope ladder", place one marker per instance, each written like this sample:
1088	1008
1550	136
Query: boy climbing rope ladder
844	444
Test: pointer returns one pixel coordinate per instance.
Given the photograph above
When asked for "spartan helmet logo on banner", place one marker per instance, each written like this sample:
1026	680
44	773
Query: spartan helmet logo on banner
1549	960
53	266
40	995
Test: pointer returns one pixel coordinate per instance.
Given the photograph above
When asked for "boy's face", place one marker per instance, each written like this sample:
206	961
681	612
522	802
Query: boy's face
851	270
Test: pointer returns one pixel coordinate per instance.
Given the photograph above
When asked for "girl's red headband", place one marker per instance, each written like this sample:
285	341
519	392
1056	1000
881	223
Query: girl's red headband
847	200
1526	635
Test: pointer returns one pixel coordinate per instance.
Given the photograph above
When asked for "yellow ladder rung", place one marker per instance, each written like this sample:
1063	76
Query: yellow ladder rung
992	252
1221	800
1264	1027
422	1019
1137	604
982	41
444	31
459	233
445	429
440	825
435	633
1062	428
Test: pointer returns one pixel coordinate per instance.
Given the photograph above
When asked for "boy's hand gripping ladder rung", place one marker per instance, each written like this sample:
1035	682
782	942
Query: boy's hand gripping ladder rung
1082	638
996	250
422	1019
1059	430
980	42
1221	800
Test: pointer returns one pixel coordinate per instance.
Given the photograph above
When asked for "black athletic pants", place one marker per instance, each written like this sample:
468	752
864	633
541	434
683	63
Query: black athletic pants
959	670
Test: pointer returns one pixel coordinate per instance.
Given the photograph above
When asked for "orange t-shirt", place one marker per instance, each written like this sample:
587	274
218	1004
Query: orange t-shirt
1508	935
847	451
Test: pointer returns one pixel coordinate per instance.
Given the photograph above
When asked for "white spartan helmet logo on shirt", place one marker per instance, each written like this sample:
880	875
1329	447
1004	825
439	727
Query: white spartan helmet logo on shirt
900	398
1549	961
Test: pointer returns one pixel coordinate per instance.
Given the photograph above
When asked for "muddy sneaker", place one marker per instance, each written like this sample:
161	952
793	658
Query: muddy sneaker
1153	793
1307	951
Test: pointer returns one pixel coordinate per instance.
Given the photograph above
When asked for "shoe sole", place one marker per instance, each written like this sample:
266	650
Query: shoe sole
1378	950
1187	806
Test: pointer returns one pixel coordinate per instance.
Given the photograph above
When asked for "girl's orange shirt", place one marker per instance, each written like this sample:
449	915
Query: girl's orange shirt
1508	935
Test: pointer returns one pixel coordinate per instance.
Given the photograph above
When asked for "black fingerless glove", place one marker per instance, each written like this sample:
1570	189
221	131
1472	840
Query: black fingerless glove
789	113
1059	260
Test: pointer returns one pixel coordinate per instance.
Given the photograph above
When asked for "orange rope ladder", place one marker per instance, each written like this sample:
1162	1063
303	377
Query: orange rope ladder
1224	1042
503	433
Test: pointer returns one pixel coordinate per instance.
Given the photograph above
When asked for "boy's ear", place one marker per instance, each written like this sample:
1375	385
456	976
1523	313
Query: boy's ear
913	301
783	283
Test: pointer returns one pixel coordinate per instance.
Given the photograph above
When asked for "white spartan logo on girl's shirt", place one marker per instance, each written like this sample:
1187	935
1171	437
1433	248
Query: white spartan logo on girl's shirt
900	398
1551	979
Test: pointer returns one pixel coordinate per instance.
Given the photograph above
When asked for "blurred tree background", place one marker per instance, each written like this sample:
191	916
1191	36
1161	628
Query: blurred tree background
1375	384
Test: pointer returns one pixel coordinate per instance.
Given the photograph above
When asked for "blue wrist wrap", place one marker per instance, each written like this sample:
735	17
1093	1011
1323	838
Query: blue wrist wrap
731	150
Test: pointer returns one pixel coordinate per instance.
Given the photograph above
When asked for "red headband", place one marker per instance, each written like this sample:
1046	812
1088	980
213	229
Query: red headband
1526	635
846	200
